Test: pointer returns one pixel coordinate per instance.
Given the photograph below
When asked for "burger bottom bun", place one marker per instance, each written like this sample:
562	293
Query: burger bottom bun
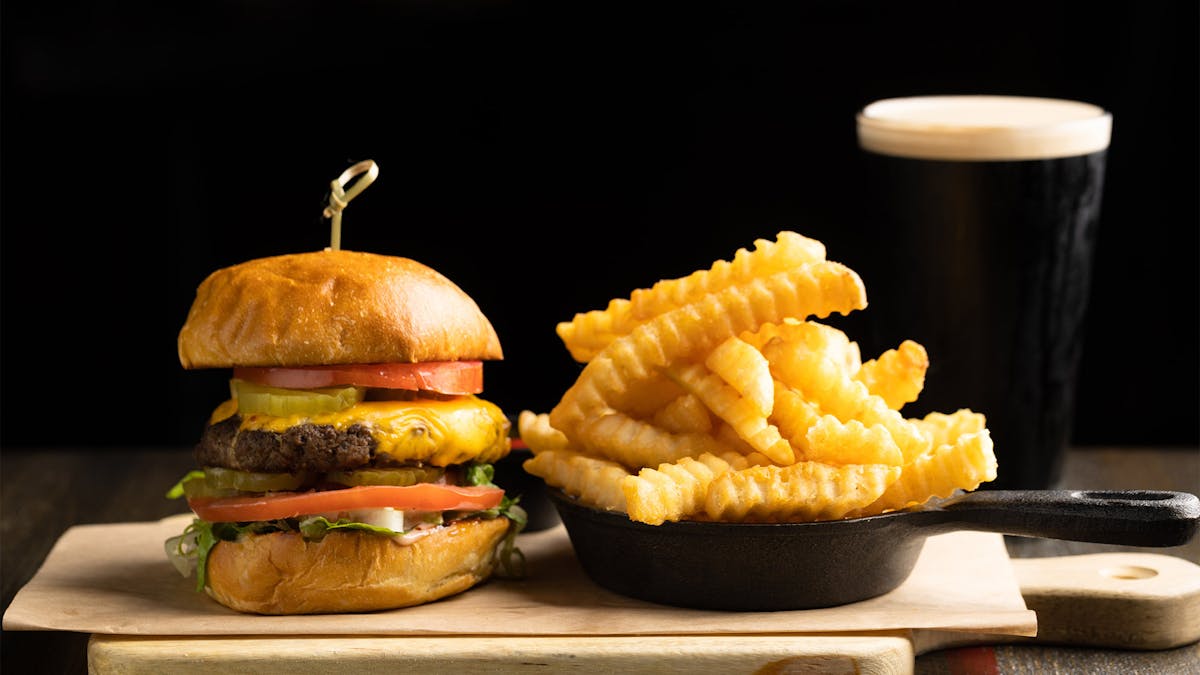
351	571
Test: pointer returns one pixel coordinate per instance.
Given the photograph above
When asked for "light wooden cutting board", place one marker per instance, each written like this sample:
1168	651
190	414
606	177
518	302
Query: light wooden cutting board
112	581
1120	600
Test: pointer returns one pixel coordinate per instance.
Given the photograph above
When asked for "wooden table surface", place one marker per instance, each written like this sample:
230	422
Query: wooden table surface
44	492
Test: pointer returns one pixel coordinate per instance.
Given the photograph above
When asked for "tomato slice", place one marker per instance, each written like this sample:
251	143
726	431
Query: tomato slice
421	497
444	377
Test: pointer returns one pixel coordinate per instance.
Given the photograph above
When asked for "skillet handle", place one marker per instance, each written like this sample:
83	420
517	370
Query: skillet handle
1129	517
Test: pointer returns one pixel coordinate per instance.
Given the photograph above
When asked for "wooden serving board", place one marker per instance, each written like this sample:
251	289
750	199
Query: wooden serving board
1119	600
113	581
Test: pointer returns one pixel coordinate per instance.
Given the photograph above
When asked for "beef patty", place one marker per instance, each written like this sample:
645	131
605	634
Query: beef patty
305	447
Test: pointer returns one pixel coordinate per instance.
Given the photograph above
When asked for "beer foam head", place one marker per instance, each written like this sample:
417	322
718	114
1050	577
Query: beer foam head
983	128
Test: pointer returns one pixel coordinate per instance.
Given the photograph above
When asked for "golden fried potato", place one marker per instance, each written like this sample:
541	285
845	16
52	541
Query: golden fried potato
729	459
635	443
745	369
794	415
963	465
739	413
817	289
823	381
684	414
650	396
671	491
735	446
898	375
835	442
944	429
596	482
813	336
803	491
722	395
587	334
677	491
539	436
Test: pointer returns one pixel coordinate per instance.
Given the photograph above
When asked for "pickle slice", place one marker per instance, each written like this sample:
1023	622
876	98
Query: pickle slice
259	399
197	486
221	480
403	475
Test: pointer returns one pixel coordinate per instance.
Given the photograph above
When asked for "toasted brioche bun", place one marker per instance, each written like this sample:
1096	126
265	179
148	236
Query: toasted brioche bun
347	571
332	307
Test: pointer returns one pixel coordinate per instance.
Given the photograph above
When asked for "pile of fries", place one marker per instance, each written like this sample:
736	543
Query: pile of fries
722	396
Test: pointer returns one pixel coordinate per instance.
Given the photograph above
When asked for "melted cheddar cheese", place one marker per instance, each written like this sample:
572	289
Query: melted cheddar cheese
438	432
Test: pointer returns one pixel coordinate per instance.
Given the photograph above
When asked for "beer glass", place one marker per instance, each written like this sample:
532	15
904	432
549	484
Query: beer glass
980	216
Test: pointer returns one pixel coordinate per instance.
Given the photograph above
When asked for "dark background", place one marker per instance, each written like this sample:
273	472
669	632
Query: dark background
547	157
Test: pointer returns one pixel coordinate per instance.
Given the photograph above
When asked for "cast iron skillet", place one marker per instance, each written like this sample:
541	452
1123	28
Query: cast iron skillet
782	566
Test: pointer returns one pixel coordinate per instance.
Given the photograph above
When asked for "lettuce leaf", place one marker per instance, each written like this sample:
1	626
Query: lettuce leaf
189	550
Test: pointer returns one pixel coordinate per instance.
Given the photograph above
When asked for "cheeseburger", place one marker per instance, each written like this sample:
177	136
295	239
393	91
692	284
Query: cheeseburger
351	468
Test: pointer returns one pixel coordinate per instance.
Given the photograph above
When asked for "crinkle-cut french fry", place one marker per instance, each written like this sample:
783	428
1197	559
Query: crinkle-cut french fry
897	375
944	429
788	250
816	289
676	491
635	443
794	415
739	413
588	333
813	336
653	496
824	438
729	439
804	491
721	396
539	436
669	493
728	459
835	442
595	482
963	465
823	381
650	396
746	370
684	414
733	445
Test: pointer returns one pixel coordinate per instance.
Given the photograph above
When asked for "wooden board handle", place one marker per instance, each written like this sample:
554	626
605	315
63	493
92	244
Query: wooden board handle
1117	600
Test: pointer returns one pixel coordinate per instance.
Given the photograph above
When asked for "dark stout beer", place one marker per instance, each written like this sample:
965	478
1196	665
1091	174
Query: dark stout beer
980	213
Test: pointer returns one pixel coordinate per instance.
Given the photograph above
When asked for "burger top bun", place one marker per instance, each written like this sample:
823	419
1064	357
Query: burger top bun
332	307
